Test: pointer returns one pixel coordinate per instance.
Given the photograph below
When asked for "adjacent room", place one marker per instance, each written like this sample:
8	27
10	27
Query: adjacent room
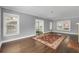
39	29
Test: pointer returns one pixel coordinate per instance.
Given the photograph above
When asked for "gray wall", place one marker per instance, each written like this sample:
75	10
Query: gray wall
73	25
27	24
0	24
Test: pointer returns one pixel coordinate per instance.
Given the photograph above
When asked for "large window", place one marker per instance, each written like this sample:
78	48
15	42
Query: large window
39	24
63	25
10	24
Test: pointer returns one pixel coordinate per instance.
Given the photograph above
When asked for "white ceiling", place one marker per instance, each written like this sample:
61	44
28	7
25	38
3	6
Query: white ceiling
46	11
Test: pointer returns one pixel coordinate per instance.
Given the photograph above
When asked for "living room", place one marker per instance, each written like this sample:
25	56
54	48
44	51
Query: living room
46	28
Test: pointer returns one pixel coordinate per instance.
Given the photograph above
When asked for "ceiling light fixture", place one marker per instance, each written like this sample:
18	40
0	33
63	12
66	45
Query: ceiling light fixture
51	11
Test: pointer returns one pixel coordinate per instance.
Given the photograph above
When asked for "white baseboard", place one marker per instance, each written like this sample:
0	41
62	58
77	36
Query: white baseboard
65	32
9	40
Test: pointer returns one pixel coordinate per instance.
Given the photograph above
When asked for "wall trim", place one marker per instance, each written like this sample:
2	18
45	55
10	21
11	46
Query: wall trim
66	32
9	40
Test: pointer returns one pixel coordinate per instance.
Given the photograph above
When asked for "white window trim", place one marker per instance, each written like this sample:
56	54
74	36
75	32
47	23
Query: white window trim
4	23
43	25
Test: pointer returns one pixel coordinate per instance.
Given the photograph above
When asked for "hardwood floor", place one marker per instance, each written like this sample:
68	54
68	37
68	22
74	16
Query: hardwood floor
29	45
73	45
69	46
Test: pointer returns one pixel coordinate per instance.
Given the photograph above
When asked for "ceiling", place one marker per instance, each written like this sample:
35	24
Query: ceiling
49	12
